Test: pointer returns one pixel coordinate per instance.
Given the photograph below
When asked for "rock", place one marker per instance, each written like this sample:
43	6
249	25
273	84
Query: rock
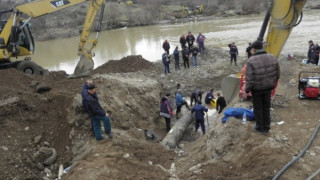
41	88
45	178
46	170
45	150
312	153
292	82
26	128
46	143
181	145
150	163
194	168
284	138
37	139
126	155
33	84
40	166
5	148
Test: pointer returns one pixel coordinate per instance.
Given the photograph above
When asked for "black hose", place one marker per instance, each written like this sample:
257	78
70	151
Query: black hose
277	176
314	174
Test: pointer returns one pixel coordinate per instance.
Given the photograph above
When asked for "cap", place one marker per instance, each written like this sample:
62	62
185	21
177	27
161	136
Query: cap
257	45
91	86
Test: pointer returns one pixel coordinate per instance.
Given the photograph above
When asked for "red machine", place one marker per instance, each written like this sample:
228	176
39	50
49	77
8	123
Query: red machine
309	87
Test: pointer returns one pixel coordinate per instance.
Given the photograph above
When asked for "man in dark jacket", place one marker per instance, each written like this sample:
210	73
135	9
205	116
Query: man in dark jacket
262	73
176	59
185	57
190	39
194	51
166	62
209	97
311	53
83	93
97	114
221	103
199	114
248	51
200	41
233	53
166	110
183	41
166	46
317	52
196	96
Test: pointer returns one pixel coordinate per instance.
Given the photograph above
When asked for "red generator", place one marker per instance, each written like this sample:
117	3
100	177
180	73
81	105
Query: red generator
309	87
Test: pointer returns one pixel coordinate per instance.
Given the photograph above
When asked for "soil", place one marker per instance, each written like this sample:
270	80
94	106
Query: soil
131	93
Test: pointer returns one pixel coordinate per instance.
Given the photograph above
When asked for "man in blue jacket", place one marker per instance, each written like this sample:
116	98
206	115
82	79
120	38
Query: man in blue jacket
199	110
97	114
179	102
209	97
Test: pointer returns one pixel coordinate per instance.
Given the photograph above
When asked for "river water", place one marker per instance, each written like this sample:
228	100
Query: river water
61	54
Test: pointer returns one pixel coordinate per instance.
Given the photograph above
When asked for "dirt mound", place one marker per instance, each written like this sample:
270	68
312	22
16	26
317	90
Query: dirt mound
124	65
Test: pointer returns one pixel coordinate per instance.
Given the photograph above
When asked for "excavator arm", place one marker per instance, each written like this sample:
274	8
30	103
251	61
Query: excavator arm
17	25
281	17
285	15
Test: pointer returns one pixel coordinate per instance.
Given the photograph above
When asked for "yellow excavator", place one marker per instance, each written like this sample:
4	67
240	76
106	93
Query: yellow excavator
16	38
281	17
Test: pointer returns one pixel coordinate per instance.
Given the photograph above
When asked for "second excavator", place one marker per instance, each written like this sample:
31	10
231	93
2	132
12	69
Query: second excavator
16	39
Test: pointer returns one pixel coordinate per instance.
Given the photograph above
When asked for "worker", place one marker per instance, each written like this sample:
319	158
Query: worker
233	53
176	59
248	51
190	39
166	62
185	57
178	87
209	97
180	102
221	103
262	74
166	46
317	52
84	102
200	41
199	111
97	114
196	96
166	110
311	53
194	51
183	41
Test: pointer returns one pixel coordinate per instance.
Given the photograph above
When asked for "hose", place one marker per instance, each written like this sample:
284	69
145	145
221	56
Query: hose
314	174
277	176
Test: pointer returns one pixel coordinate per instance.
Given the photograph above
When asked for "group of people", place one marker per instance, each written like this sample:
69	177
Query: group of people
313	53
186	51
166	108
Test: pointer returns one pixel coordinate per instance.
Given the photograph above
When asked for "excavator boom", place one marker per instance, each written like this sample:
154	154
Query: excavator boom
285	14
282	16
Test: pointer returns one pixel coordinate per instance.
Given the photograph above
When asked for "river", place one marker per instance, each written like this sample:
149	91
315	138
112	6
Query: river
61	54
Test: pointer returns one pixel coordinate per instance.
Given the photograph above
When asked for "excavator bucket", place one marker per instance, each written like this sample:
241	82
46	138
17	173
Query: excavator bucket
83	68
230	87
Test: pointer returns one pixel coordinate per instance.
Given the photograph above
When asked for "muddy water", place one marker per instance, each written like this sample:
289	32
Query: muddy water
147	41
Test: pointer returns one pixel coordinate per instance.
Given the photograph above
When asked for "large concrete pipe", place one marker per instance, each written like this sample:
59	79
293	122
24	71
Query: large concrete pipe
173	137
